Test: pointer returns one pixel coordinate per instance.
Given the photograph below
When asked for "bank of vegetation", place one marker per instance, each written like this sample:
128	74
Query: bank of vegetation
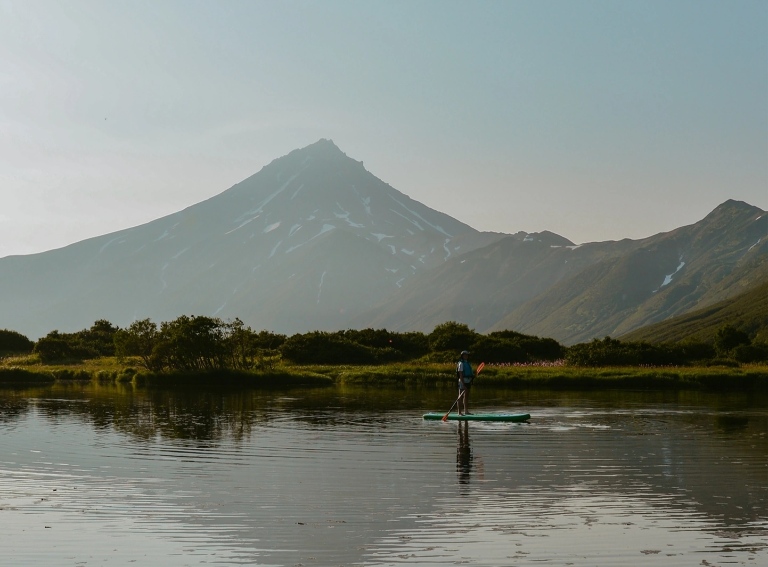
209	350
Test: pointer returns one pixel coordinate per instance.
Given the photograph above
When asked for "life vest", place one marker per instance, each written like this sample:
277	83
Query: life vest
464	371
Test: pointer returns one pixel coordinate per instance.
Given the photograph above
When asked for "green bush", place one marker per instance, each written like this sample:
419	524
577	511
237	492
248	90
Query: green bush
451	336
12	342
328	348
728	338
63	348
750	353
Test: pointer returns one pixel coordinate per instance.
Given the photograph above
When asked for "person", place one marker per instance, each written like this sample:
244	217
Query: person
465	377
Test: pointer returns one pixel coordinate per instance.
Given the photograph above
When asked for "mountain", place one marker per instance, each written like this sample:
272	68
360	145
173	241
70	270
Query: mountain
575	293
667	274
314	241
301	245
481	288
747	312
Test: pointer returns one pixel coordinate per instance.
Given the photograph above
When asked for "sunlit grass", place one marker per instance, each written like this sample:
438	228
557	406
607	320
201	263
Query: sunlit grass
422	374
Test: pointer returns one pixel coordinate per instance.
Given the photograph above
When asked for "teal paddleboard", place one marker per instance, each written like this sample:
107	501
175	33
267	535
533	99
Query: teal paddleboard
481	416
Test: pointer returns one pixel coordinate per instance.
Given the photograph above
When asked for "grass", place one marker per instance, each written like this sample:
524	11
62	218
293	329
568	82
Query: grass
29	369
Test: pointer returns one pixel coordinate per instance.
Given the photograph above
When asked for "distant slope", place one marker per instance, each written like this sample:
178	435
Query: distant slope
747	312
665	275
482	287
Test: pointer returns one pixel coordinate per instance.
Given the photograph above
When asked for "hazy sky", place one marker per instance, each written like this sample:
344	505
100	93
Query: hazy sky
596	120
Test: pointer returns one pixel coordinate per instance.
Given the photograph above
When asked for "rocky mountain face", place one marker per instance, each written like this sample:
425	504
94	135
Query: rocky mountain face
576	293
307	242
668	274
313	241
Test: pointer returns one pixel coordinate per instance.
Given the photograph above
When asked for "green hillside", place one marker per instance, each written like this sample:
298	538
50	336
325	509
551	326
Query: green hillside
746	312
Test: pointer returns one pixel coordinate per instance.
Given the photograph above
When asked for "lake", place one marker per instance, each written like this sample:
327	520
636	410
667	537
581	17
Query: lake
96	474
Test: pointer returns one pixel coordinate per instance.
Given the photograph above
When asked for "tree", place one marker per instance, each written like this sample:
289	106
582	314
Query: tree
100	337
139	339
195	343
728	338
451	336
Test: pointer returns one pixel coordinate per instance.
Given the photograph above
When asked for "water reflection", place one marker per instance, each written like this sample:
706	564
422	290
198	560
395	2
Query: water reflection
339	476
464	453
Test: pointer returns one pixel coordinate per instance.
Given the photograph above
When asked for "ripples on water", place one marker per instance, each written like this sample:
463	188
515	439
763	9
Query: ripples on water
98	476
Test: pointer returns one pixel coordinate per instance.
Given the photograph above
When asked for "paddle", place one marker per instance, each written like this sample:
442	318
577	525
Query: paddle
445	417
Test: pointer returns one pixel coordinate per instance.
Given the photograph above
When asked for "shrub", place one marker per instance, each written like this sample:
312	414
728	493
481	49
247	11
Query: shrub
451	336
750	353
12	342
728	338
56	347
328	348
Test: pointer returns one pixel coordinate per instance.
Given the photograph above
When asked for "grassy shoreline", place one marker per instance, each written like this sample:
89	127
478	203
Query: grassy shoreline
25	370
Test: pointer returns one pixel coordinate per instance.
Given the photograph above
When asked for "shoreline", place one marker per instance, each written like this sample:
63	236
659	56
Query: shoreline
430	375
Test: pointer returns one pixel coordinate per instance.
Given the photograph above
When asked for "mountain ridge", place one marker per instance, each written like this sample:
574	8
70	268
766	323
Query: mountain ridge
313	241
240	249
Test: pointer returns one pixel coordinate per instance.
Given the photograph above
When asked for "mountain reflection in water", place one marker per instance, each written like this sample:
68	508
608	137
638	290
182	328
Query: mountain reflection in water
112	475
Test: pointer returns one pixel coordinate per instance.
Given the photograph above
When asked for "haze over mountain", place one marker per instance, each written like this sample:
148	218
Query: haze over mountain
303	244
314	241
576	293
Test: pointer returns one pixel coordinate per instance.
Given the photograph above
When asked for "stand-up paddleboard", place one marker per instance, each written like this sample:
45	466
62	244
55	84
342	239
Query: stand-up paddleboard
481	416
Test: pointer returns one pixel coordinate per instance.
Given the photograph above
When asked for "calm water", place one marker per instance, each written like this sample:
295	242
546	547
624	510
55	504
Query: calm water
104	475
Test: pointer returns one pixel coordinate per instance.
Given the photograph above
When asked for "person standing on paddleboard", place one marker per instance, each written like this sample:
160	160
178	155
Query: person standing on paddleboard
465	376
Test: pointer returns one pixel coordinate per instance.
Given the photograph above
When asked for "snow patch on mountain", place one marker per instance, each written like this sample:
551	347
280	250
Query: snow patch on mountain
755	244
275	249
668	277
320	287
365	200
326	228
413	222
108	243
447	250
271	227
179	253
265	202
344	214
414	213
162	275
241	225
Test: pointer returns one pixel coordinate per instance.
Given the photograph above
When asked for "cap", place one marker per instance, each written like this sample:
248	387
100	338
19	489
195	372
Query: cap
464	352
